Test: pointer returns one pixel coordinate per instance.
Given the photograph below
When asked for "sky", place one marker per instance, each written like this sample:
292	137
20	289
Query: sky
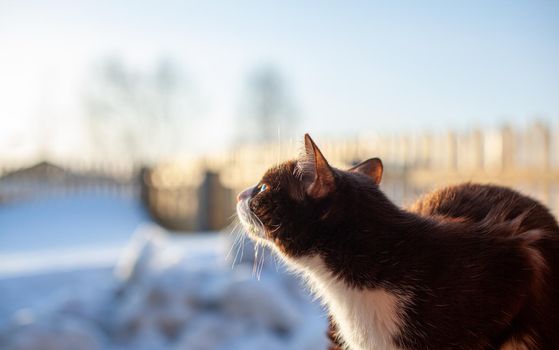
351	66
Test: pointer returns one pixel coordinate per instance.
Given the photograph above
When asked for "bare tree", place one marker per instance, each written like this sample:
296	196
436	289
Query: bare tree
135	114
268	107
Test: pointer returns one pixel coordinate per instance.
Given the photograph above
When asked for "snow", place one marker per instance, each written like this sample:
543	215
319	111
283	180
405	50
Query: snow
157	291
86	220
56	232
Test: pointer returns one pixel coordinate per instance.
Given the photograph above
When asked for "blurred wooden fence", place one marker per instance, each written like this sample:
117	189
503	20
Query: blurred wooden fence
43	179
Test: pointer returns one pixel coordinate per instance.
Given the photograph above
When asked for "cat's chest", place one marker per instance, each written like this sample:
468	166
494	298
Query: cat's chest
366	318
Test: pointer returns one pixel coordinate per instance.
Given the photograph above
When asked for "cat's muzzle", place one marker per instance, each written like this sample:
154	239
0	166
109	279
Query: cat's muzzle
249	220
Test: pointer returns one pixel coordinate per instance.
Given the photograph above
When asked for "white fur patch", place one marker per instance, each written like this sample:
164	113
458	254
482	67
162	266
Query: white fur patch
366	318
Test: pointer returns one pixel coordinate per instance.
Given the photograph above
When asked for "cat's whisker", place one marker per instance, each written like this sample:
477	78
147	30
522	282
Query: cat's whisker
234	262
231	227
242	247
237	252
237	233
277	261
238	243
235	230
258	223
256	246
263	261
260	267
231	248
276	229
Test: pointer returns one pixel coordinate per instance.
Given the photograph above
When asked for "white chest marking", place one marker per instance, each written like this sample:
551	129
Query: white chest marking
367	319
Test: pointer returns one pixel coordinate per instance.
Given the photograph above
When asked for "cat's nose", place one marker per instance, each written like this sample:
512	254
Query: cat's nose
245	194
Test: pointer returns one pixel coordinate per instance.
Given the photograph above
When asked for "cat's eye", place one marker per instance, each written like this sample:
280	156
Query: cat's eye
262	188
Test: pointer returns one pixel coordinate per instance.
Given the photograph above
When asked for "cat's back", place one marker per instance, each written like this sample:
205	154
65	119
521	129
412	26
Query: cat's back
536	325
486	203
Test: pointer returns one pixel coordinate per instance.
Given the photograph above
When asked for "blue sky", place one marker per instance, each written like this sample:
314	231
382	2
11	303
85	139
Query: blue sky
352	66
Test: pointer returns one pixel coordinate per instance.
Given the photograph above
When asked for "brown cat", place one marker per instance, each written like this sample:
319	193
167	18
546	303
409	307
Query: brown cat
467	267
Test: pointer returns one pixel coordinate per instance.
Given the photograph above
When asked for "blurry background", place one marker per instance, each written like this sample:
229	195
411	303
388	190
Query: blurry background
127	128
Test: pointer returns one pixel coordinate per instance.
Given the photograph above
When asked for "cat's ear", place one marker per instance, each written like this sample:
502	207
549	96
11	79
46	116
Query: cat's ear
316	174
371	167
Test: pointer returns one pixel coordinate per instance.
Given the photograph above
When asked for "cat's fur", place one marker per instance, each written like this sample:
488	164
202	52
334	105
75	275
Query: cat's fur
467	267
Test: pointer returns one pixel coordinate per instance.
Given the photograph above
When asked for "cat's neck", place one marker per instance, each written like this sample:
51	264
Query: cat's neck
390	245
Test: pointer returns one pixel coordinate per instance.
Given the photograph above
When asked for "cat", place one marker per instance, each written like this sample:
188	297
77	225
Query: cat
467	267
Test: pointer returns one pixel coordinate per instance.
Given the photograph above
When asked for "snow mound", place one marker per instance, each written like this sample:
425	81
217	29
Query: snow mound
169	293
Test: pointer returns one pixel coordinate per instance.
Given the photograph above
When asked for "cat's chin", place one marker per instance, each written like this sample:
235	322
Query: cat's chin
256	235
259	237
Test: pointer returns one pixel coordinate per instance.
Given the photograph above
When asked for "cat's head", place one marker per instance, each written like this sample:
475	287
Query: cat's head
300	206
